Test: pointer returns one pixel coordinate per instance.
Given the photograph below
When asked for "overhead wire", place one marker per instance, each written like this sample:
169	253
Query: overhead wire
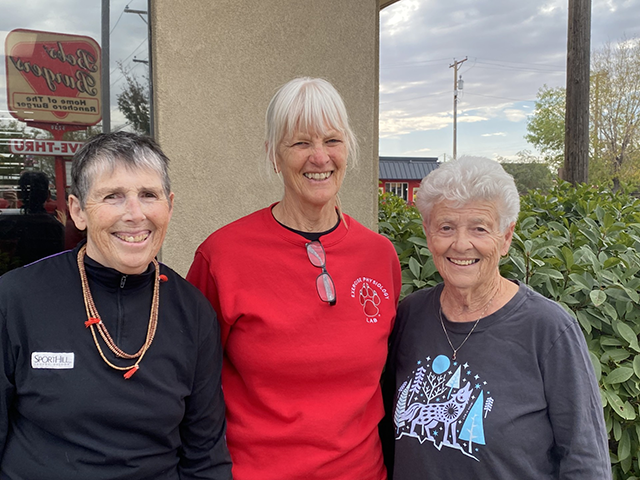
417	63
124	60
524	66
117	21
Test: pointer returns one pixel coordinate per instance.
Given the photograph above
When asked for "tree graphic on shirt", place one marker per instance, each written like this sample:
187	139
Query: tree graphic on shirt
434	386
401	405
488	406
454	382
417	382
473	427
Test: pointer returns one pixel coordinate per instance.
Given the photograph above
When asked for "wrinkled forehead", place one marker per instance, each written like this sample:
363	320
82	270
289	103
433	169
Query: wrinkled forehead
108	166
477	211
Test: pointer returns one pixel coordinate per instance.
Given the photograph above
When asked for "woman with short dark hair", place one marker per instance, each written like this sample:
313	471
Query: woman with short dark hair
110	362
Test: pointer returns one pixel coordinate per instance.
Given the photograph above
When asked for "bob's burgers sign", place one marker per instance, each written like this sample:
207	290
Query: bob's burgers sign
53	77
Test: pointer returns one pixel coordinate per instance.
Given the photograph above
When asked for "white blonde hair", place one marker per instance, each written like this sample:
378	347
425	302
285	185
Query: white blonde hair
467	180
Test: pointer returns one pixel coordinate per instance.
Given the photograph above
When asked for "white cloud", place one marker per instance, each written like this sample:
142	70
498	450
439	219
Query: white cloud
398	19
416	152
496	134
471	118
396	123
515	115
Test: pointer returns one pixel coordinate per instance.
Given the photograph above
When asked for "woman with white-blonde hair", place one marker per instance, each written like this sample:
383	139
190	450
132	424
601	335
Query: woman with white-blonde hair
486	378
306	298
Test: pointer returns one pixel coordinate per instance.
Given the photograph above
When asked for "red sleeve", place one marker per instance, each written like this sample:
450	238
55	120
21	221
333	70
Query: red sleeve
397	282
201	277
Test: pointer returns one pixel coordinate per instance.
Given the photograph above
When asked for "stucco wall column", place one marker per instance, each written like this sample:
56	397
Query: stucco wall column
216	66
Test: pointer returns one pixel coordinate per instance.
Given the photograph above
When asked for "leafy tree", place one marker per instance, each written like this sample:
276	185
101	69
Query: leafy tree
83	135
615	111
546	126
614	116
133	102
530	176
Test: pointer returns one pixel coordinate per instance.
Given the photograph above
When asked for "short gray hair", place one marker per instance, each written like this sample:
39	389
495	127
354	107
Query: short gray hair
108	150
468	180
310	105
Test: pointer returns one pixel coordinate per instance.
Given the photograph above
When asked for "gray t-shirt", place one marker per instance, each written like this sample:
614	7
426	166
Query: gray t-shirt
520	401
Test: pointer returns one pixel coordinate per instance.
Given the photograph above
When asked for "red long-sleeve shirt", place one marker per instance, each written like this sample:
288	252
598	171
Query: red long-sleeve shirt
301	377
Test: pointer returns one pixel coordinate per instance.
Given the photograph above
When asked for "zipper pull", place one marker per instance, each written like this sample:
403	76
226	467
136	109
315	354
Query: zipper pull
122	281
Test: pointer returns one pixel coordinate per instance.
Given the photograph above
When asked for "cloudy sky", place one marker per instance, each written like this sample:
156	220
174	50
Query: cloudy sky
513	49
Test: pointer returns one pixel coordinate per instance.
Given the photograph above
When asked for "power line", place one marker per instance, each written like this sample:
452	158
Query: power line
494	66
523	63
117	21
501	98
122	61
503	63
418	63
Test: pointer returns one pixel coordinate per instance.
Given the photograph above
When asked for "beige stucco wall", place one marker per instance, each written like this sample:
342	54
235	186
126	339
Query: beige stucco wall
216	66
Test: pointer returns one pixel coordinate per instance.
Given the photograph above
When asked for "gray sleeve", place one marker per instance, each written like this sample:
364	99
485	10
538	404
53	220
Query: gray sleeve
575	409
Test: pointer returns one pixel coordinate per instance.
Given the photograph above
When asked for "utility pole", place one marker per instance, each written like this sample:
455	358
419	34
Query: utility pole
576	138
104	62
455	65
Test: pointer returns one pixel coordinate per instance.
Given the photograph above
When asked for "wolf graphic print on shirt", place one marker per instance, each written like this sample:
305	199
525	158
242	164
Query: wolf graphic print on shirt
443	402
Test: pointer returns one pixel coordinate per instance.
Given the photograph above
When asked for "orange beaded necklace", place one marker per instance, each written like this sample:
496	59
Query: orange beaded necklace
94	322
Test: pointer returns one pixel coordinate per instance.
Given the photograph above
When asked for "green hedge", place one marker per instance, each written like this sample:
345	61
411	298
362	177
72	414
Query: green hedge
580	247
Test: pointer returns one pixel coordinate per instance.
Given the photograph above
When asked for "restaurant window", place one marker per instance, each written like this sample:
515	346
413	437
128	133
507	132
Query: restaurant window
400	189
53	101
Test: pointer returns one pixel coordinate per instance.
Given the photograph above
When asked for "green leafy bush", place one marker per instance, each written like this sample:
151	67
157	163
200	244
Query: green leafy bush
402	224
580	247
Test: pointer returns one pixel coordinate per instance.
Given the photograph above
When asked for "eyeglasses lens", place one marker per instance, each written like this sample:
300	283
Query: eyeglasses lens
326	288
316	254
324	283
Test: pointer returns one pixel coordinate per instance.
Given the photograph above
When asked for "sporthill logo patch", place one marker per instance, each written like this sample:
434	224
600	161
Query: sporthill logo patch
52	360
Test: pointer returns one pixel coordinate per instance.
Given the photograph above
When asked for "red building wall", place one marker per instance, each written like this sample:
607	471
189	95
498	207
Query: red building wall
413	186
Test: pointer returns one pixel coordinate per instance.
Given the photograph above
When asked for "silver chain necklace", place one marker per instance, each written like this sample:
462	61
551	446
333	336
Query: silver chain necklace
446	334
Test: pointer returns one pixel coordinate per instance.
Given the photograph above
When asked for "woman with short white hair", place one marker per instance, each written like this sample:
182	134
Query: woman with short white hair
306	298
486	378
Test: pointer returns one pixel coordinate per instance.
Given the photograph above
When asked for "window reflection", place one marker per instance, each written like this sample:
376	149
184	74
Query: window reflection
46	100
32	231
